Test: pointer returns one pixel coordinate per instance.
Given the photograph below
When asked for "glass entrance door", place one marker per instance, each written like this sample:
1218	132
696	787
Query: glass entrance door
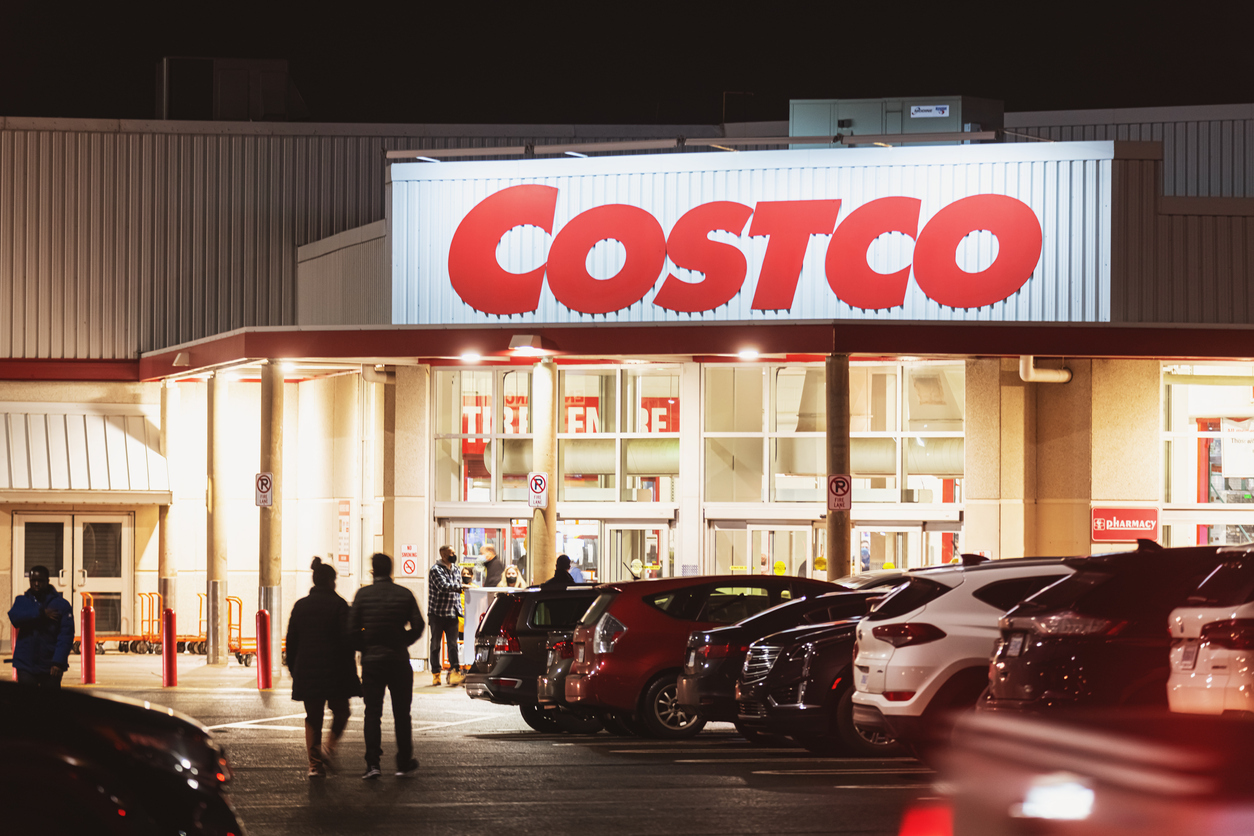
508	537
781	550
89	553
890	547
636	552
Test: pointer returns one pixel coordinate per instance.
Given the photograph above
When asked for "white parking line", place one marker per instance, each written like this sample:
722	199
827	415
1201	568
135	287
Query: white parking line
787	760
689	751
919	771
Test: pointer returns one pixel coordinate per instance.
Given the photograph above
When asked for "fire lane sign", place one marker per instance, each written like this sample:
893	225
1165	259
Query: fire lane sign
537	490
264	484
840	492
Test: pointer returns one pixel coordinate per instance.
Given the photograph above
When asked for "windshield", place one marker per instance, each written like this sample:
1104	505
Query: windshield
599	606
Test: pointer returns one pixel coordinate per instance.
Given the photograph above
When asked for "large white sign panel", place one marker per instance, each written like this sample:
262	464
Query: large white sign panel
1010	232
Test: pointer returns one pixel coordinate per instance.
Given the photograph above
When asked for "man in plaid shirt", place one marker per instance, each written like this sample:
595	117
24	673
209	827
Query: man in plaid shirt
444	607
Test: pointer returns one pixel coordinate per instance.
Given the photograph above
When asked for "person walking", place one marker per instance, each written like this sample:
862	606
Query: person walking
322	663
493	567
561	575
444	607
45	625
383	622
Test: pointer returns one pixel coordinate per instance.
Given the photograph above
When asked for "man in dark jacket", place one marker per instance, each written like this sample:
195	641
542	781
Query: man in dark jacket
561	575
383	622
493	567
45	624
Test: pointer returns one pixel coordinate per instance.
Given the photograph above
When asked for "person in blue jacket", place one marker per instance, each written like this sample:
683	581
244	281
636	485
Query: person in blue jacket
45	624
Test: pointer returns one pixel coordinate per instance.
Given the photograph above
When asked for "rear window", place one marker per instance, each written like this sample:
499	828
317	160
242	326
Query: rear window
1141	593
1231	584
599	606
1003	595
560	613
492	619
914	594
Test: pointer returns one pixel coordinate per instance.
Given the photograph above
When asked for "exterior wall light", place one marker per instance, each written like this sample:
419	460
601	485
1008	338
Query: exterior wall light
525	343
471	356
747	354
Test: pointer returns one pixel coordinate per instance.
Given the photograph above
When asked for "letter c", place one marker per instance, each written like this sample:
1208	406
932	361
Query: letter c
1018	250
473	270
851	278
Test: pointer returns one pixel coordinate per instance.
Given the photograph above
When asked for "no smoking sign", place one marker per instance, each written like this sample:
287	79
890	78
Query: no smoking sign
537	490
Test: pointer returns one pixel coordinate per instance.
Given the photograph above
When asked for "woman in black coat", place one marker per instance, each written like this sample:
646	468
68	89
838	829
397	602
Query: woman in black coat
324	670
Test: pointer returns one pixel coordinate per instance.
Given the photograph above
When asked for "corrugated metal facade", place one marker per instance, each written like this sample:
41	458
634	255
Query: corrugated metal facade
345	279
80	452
1208	151
124	236
1066	185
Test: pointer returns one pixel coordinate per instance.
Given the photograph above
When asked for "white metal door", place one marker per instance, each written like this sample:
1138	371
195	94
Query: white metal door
91	553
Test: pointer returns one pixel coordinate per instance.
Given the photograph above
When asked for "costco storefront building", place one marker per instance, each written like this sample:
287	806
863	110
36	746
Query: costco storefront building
1008	348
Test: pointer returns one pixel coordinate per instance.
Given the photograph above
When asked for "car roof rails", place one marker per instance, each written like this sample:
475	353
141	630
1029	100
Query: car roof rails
974	559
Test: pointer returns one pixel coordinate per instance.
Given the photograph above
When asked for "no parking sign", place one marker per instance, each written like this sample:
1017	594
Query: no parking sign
840	493
537	490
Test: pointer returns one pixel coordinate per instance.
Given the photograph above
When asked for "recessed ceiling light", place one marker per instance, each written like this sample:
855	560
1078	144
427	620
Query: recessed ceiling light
471	356
288	367
747	354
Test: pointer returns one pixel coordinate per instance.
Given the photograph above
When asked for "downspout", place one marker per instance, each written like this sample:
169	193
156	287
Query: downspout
1029	373
372	375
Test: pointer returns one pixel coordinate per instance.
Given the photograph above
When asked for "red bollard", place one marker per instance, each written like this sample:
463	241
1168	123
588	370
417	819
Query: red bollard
263	651
169	641
13	648
88	645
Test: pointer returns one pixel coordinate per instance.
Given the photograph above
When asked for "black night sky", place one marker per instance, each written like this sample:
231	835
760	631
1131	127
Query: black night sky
634	62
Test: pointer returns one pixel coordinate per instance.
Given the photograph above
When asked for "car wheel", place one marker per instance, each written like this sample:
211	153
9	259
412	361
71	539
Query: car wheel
662	715
576	722
618	724
861	742
539	719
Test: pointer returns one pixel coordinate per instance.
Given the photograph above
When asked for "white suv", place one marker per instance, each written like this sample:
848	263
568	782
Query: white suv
924	651
1212	648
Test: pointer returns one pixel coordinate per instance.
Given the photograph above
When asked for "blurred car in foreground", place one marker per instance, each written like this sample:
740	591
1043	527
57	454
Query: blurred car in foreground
1096	638
77	763
511	652
922	654
1213	641
714	658
1135	772
629	647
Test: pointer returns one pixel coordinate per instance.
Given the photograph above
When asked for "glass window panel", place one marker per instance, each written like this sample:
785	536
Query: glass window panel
460	473
588	402
45	546
733	399
108	607
731	552
586	470
798	469
650	468
102	549
872	399
513	458
651	402
516	401
935	398
800	400
463	401
733	469
941	457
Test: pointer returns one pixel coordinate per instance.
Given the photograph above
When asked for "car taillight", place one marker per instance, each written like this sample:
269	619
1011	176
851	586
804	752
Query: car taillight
506	642
1065	623
928	818
563	650
902	635
898	696
608	631
1234	634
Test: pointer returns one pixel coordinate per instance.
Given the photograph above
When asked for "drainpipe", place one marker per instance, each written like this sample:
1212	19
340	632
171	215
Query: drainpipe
372	375
1029	373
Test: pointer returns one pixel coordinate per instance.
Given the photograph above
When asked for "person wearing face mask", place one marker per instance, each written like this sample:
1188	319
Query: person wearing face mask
513	579
444	607
45	624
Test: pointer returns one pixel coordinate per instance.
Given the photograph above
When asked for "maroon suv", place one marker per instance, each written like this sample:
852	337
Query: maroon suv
629	647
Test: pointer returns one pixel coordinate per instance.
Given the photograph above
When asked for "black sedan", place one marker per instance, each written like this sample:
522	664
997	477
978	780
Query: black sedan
75	763
799	683
714	657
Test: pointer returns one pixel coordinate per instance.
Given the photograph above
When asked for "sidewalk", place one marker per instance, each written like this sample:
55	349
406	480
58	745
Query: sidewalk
124	672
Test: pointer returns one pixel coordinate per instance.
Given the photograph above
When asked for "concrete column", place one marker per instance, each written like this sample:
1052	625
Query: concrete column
167	543
838	522
216	529
542	551
270	540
